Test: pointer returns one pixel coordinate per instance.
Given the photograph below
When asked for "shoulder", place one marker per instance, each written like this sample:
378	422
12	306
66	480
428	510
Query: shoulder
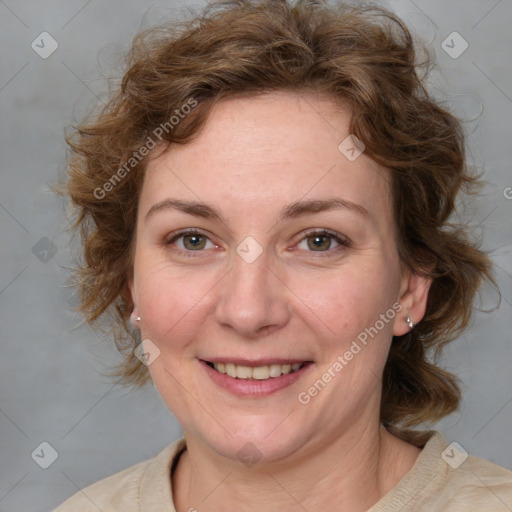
126	490
463	482
476	484
120	489
445	477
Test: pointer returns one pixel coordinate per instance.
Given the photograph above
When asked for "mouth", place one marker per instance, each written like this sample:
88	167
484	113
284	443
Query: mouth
262	372
254	379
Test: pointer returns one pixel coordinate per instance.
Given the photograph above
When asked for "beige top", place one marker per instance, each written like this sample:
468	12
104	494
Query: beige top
442	479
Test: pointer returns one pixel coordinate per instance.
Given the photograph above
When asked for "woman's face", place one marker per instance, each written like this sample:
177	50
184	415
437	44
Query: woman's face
261	285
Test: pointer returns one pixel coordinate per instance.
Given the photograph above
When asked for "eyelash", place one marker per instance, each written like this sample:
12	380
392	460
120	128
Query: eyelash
342	241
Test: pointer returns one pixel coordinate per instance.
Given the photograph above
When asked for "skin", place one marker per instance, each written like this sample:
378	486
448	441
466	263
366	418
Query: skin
254	157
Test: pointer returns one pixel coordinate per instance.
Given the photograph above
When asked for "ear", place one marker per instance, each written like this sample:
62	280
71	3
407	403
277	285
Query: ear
134	314
413	298
131	287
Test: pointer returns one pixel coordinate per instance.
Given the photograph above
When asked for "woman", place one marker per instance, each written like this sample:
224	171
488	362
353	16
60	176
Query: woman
266	201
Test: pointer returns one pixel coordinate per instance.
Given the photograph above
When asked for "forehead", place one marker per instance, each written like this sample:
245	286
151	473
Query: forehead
266	151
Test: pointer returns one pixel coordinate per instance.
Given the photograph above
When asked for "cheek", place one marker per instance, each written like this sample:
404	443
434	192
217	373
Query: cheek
171	304
345	302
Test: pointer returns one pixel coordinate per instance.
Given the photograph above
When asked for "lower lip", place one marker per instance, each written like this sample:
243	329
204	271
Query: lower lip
254	387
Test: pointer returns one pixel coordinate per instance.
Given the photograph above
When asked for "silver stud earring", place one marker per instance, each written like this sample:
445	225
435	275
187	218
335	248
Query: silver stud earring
137	319
409	322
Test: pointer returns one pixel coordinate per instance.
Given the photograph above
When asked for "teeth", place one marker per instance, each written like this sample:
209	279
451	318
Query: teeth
230	369
275	370
260	373
256	372
243	372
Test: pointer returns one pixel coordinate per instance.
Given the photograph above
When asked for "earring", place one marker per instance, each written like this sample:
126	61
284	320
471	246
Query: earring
409	322
134	320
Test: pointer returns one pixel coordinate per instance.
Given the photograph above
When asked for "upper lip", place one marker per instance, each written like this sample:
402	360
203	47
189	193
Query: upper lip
254	362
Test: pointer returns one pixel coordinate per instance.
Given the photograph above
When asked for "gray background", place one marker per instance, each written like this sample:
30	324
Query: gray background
50	384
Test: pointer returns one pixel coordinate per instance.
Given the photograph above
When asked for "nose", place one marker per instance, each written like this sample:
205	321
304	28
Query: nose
253	301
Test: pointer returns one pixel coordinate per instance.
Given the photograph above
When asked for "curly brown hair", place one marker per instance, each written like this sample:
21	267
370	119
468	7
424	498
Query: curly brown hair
363	56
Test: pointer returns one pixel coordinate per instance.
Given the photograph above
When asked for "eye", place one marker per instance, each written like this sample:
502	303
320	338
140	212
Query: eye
191	241
321	241
194	241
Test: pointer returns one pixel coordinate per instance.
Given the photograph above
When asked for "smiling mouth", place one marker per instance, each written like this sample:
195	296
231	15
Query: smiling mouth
263	372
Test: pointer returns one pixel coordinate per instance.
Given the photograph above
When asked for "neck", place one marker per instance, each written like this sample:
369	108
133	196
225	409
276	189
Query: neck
352	472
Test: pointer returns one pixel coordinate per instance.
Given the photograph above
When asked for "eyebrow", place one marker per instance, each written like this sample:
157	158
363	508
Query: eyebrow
294	210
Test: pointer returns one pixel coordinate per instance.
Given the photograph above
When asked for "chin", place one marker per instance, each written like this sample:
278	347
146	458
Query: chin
252	440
